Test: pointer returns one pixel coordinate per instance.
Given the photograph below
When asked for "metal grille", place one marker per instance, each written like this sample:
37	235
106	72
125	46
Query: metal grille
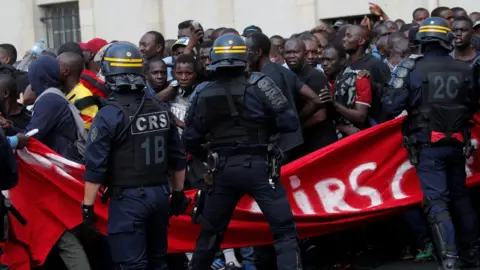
62	23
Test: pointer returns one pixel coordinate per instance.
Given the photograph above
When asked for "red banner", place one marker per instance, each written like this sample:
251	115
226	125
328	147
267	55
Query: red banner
356	179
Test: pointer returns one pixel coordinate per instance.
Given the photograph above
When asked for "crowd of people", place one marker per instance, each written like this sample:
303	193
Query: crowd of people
334	81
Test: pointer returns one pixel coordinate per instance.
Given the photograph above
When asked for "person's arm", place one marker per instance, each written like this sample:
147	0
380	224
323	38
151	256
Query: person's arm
396	99
166	94
179	122
307	92
363	101
46	115
317	83
358	114
307	111
195	129
380	75
102	134
18	141
316	118
193	41
177	157
268	93
14	130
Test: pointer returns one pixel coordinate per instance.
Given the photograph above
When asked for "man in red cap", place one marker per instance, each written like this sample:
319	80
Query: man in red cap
89	75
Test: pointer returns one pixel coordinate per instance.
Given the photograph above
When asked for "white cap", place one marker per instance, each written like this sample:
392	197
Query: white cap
476	24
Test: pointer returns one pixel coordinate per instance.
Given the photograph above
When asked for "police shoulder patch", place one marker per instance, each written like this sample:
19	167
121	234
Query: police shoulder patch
93	133
150	122
408	63
255	77
274	94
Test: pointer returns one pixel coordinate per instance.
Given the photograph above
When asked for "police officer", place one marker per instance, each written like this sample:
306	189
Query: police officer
8	180
440	96
234	116
132	144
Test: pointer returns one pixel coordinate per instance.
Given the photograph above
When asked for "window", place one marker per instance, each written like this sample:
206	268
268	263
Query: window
62	24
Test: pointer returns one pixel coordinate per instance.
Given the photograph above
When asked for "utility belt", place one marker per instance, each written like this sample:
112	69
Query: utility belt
6	206
108	192
412	146
274	158
275	161
215	156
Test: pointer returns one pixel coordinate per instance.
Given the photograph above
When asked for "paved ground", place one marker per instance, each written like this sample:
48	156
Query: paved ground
407	265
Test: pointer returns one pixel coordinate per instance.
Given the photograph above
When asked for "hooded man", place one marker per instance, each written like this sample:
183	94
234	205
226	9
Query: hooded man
59	125
53	115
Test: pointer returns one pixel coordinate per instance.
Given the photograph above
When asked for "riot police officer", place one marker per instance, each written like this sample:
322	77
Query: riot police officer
234	116
9	179
440	96
132	144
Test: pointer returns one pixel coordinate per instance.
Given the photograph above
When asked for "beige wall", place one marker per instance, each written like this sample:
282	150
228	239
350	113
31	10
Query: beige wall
396	9
129	19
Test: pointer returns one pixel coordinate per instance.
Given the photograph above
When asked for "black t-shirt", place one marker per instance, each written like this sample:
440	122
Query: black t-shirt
380	75
312	77
290	85
321	134
20	120
471	62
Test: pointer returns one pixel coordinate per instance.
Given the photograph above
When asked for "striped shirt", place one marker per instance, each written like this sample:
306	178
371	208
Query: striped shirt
87	114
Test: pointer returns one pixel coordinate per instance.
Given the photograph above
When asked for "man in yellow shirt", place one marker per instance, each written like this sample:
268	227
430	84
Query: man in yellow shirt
71	67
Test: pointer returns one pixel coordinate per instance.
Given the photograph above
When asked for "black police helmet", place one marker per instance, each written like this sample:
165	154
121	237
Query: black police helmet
437	30
122	66
229	50
122	58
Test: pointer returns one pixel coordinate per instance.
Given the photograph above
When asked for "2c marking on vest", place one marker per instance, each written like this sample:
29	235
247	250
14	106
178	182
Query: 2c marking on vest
150	122
443	87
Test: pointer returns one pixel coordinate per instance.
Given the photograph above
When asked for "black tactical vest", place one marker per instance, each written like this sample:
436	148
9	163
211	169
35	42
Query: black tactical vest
139	156
444	104
228	120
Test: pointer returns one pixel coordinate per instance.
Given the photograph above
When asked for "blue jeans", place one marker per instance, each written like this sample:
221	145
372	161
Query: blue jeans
247	255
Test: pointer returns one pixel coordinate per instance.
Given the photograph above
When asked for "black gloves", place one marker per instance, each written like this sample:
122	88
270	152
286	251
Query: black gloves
88	231
178	203
88	215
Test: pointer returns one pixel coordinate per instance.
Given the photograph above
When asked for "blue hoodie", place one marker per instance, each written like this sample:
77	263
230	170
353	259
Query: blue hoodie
51	114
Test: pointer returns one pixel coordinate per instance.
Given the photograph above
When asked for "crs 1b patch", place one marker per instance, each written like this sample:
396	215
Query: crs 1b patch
150	122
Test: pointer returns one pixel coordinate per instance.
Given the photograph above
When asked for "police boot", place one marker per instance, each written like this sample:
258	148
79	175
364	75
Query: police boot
231	266
446	253
469	258
449	262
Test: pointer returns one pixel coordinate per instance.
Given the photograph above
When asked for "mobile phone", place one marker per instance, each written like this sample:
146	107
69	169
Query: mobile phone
196	26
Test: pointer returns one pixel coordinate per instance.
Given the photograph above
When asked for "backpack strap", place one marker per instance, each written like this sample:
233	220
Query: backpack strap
89	101
95	83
